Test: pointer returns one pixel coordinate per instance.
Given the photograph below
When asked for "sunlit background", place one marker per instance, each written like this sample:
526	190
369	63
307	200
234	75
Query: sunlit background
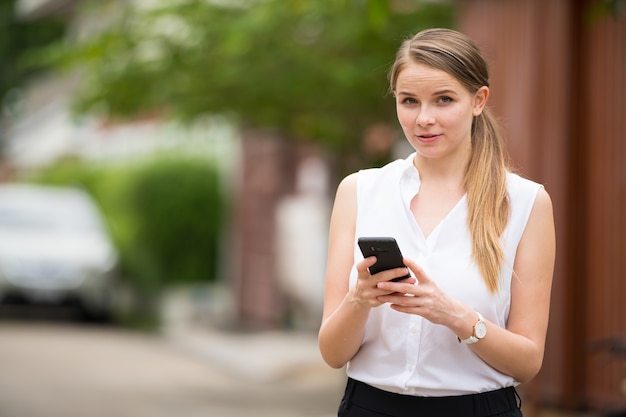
167	169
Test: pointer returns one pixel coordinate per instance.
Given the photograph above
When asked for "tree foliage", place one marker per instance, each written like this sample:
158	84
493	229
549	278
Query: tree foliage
313	69
18	38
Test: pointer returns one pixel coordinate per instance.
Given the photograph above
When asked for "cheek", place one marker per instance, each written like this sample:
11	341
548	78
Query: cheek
455	118
405	118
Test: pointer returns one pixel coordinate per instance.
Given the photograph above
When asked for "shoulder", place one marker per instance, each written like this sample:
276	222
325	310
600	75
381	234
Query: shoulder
539	237
517	183
543	203
522	189
528	199
345	198
348	184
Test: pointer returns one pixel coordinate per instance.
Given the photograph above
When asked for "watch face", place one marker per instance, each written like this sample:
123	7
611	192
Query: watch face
480	330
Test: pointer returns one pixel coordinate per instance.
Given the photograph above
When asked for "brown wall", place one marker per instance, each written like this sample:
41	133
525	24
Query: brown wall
605	133
559	84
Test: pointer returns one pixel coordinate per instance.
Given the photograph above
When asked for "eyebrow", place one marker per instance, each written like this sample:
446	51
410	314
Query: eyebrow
436	93
444	91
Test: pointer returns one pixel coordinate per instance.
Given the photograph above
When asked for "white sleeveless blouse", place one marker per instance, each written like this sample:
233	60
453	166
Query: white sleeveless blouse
405	353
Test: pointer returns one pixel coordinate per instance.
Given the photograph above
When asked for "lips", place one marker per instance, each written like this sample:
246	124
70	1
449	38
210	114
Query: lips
427	137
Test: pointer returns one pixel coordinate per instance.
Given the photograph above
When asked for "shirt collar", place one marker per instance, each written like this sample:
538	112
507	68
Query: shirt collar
409	181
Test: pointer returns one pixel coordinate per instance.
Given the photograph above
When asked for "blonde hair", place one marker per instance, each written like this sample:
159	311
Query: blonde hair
485	178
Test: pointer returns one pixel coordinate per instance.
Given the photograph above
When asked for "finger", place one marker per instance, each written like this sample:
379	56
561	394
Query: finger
400	299
418	272
406	286
363	266
396	274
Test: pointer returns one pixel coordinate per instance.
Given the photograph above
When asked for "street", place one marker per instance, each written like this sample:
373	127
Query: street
64	369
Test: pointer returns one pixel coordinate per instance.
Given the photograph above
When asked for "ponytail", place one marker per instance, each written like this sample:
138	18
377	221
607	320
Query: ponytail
487	200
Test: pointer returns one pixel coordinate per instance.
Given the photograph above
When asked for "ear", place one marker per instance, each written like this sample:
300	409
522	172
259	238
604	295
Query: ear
480	100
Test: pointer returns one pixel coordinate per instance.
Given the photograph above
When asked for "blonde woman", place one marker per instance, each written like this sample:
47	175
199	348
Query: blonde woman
469	325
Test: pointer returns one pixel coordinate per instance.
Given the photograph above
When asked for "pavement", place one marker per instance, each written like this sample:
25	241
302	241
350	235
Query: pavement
259	357
201	326
53	369
281	370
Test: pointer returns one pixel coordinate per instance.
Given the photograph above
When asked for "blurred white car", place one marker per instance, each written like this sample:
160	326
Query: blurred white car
54	248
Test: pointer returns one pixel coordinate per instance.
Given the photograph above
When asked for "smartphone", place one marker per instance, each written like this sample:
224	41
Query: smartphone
386	251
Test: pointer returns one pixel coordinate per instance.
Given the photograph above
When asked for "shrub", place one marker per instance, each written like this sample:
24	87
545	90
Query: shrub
165	217
178	210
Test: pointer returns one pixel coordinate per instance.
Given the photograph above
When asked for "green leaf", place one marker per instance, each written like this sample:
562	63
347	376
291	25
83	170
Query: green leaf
315	70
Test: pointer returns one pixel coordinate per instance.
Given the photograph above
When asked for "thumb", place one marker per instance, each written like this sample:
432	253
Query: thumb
418	272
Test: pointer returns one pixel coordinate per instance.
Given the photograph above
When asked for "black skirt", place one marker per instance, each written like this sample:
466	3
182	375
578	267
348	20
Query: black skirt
362	400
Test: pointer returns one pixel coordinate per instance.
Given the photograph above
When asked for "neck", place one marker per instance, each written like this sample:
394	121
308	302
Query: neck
449	171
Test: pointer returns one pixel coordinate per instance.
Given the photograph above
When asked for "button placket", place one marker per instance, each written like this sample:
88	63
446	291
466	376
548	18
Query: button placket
413	345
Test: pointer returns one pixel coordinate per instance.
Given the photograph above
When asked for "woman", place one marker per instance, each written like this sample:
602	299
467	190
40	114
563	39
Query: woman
470	323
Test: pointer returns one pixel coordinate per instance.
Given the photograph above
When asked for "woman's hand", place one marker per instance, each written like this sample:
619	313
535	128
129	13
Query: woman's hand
425	299
367	290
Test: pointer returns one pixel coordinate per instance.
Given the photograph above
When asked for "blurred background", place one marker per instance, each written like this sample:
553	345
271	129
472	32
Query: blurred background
167	170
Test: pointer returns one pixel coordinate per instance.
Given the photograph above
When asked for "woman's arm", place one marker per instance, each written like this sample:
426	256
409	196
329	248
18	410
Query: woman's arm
343	319
518	350
346	310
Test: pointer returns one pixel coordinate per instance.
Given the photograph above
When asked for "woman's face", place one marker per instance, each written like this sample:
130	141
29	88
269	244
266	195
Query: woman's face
436	111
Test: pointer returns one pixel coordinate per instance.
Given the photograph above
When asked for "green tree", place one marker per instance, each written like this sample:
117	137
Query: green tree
312	69
18	39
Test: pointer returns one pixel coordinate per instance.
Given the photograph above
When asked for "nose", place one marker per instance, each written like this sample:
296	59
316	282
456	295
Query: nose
424	117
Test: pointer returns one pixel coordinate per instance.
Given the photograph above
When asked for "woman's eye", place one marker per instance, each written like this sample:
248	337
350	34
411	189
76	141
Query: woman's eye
445	100
409	100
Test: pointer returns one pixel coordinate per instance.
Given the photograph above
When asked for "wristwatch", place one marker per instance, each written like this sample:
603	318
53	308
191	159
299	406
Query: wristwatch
480	331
